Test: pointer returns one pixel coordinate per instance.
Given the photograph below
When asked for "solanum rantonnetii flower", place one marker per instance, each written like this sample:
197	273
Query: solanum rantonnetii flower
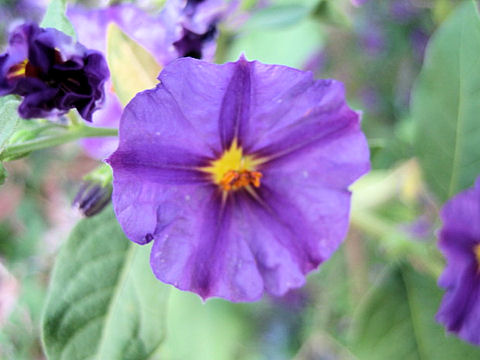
460	243
239	173
52	73
181	29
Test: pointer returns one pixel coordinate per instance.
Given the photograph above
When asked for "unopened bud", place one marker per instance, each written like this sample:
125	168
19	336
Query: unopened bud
92	198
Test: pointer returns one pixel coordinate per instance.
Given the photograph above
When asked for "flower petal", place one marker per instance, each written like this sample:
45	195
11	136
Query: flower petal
459	239
205	254
460	308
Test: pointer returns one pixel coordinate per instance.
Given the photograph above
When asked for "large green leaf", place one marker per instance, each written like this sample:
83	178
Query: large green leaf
133	68
446	104
397	322
282	34
103	302
214	330
55	17
276	16
8	118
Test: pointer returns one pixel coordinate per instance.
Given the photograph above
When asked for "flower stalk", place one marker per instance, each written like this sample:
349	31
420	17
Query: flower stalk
44	142
397	245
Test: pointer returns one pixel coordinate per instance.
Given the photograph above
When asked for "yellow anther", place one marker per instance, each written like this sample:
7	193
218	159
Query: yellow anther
17	70
233	180
234	170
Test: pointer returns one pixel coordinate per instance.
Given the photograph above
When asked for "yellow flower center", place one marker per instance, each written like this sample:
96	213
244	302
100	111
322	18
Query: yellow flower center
17	70
234	170
476	250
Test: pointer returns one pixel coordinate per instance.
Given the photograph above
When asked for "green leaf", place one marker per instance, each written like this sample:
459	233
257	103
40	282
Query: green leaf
133	69
55	17
446	104
214	330
276	16
397	322
8	118
103	300
3	174
331	12
297	44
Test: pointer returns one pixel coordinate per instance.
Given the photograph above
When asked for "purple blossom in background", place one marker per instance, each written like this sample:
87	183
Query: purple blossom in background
419	40
239	173
198	21
371	99
180	29
317	63
358	3
460	243
373	39
403	11
52	73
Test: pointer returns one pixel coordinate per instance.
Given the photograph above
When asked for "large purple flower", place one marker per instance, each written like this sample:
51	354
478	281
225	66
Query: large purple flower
52	73
239	173
181	29
460	243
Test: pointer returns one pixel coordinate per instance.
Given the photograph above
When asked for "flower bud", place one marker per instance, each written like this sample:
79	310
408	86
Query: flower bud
95	192
92	198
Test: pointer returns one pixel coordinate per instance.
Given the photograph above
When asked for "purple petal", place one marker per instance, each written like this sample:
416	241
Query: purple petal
459	241
108	116
460	308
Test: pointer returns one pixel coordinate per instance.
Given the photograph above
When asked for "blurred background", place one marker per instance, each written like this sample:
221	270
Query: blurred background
376	48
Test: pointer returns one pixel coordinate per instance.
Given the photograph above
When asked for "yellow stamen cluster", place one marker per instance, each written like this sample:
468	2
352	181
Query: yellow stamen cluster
234	170
17	70
233	180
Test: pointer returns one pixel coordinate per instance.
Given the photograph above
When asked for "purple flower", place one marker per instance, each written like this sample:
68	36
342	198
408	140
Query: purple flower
358	3
52	73
403	11
460	243
239	173
419	40
373	39
181	29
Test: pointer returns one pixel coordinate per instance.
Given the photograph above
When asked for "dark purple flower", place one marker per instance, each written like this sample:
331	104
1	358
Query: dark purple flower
52	72
191	44
239	173
460	243
181	29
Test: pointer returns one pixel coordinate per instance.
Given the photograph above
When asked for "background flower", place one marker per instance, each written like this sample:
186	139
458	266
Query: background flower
460	243
52	73
180	29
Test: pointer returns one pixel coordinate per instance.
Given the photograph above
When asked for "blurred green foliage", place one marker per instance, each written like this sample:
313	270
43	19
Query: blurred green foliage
446	102
375	298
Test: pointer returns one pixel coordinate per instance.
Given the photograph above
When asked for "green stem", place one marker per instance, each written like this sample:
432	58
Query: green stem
396	243
14	150
74	120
